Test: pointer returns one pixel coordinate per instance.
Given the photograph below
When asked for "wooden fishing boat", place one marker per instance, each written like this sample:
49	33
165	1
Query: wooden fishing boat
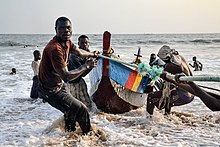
115	87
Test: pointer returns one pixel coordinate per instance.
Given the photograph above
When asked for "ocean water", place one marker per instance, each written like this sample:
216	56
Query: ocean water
23	121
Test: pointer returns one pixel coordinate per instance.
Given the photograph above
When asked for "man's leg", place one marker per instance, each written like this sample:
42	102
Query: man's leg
73	110
152	101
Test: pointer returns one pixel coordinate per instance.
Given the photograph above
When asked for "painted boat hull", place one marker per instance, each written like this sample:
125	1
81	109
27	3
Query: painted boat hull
108	100
109	96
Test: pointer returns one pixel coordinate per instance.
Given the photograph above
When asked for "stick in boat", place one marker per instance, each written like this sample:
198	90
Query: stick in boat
119	61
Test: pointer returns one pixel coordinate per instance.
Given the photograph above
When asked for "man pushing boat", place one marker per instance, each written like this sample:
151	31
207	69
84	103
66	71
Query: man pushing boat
171	95
211	100
175	92
53	71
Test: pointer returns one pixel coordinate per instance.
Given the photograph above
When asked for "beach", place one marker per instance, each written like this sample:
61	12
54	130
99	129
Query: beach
30	122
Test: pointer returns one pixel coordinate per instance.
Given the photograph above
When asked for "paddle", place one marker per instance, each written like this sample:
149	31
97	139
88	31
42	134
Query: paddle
208	78
155	72
208	87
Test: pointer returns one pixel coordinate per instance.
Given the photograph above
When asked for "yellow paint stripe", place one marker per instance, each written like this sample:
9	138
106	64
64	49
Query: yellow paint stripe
137	82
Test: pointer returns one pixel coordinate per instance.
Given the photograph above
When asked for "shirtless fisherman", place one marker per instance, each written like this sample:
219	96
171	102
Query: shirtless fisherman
35	67
196	64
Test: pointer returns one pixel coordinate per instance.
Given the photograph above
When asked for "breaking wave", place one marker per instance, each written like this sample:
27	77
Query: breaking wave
12	43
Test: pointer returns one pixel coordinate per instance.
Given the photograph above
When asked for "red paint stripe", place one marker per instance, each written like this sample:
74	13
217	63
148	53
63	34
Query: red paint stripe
106	46
106	40
131	79
105	67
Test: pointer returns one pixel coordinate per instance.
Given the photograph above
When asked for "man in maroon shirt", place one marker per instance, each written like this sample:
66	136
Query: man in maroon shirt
53	72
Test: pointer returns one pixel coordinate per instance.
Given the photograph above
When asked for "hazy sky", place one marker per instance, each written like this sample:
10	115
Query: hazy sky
116	16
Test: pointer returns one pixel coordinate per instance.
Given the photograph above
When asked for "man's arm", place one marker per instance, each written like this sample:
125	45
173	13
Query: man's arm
73	74
211	100
193	65
201	66
86	72
82	53
70	75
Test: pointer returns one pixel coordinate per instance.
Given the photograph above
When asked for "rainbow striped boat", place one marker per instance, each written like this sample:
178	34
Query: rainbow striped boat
127	77
115	87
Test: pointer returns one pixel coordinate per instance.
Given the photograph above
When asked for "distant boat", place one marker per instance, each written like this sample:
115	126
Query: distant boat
115	87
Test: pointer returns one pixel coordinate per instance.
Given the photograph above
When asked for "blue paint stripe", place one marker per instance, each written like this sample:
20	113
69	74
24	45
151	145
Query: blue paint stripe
119	72
143	84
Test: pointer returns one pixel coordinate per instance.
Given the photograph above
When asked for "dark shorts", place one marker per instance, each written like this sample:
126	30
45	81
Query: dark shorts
74	110
34	88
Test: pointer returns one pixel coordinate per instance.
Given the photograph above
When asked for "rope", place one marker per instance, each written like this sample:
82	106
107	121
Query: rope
165	98
166	95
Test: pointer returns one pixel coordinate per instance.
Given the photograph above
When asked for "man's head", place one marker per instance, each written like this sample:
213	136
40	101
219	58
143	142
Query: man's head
83	42
13	70
169	55
194	58
37	55
63	27
152	57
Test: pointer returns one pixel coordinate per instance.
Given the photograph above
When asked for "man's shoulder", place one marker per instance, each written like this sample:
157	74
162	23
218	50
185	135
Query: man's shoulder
53	43
53	47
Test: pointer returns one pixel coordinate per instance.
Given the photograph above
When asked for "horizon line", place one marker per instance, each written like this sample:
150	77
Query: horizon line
113	33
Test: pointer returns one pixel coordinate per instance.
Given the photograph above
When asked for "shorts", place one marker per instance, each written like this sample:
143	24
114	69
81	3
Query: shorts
34	88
